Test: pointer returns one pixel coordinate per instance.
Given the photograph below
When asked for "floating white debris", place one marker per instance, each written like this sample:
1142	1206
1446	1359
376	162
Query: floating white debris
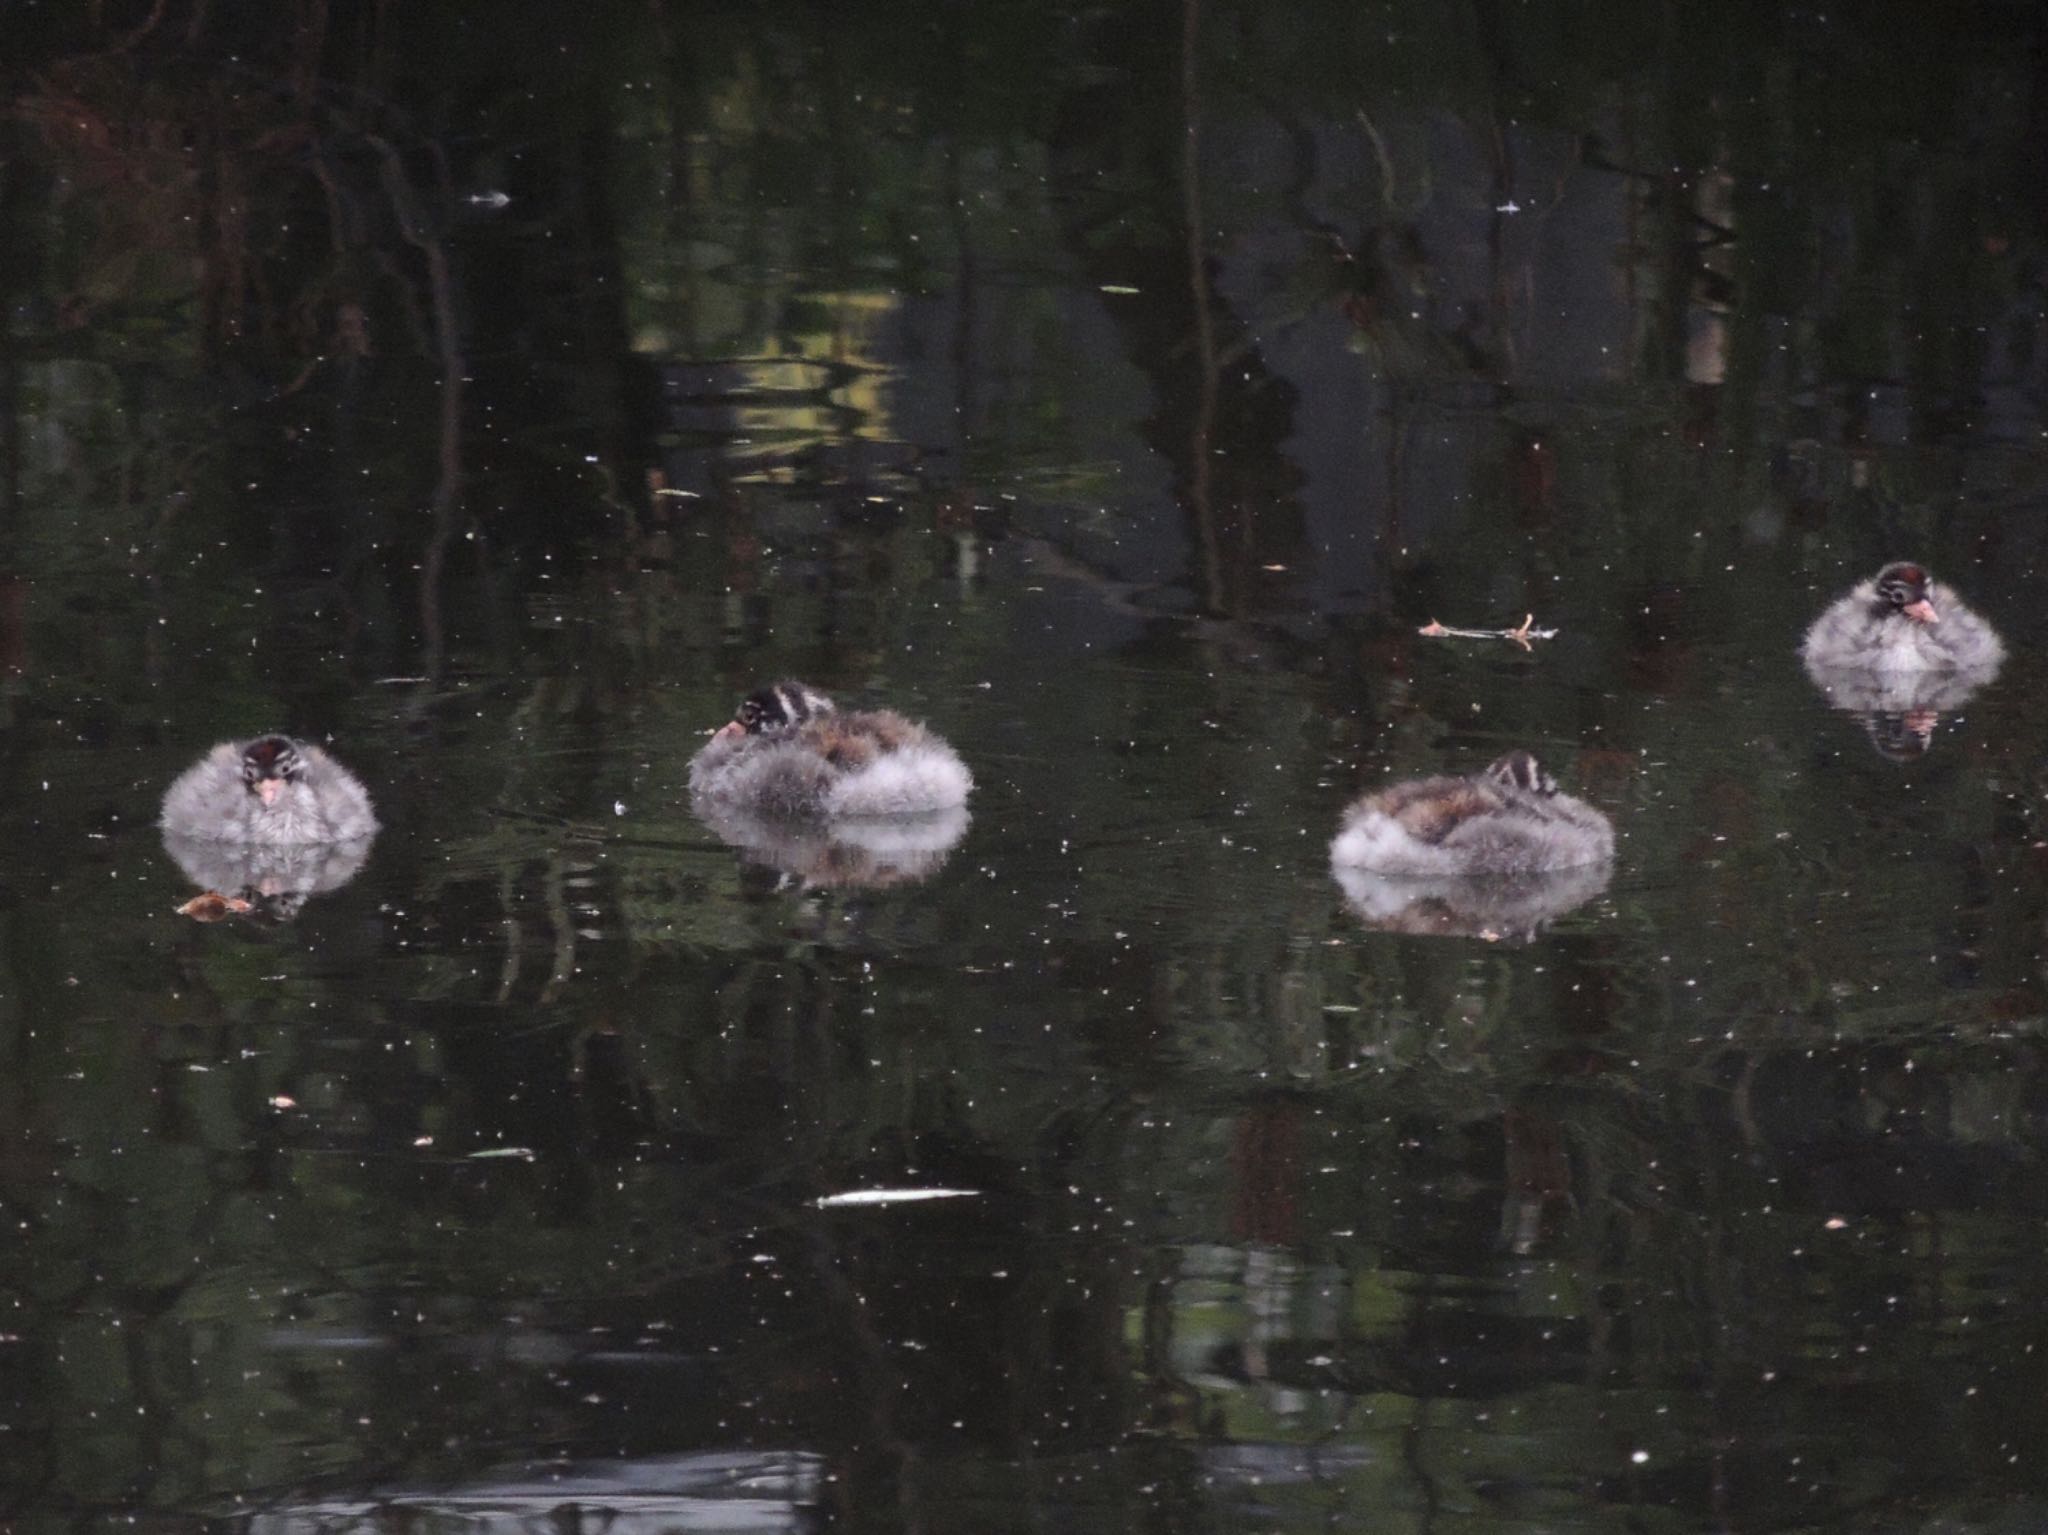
1117	287
523	1152
857	1197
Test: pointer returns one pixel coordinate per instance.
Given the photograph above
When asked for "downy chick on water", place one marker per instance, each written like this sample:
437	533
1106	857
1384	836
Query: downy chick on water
272	791
790	751
1900	620
1509	819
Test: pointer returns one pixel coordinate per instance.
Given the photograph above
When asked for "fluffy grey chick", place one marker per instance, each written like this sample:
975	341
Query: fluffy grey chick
1901	620
1510	819
273	792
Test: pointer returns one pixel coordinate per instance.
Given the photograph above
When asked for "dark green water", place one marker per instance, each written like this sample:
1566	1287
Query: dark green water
498	393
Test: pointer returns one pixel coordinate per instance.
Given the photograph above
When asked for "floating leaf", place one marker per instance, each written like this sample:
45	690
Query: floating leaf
212	906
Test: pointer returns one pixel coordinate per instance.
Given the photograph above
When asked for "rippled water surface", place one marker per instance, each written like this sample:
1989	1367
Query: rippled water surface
496	394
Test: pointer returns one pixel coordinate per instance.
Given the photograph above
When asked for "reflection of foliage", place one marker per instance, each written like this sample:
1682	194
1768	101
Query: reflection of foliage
129	169
262	186
210	197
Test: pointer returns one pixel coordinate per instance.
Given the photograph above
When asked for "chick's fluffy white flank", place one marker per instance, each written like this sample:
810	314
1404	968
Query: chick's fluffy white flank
918	778
1466	826
862	764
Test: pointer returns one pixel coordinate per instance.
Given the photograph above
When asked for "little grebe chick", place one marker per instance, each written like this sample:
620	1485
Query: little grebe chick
1510	819
789	751
272	792
1901	620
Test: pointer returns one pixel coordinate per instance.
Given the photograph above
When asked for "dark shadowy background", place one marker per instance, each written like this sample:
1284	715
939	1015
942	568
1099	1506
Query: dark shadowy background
497	391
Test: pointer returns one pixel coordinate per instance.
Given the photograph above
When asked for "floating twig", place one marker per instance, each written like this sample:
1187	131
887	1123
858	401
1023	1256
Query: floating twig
1521	634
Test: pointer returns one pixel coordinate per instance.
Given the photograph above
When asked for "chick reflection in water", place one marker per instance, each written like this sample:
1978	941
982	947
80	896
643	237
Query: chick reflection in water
1494	854
1511	907
846	852
276	881
862	797
273	820
1899	714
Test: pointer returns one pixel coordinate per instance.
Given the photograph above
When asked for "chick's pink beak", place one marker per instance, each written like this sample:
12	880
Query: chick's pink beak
730	730
1921	612
268	789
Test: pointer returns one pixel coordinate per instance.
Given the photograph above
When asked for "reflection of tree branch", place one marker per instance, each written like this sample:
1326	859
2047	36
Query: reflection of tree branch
1244	637
309	41
1172	1403
414	320
1119	596
877	1384
1383	156
508	973
128	40
1501	157
1198	284
966	286
11	416
441	288
1411	1454
343	229
564	925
